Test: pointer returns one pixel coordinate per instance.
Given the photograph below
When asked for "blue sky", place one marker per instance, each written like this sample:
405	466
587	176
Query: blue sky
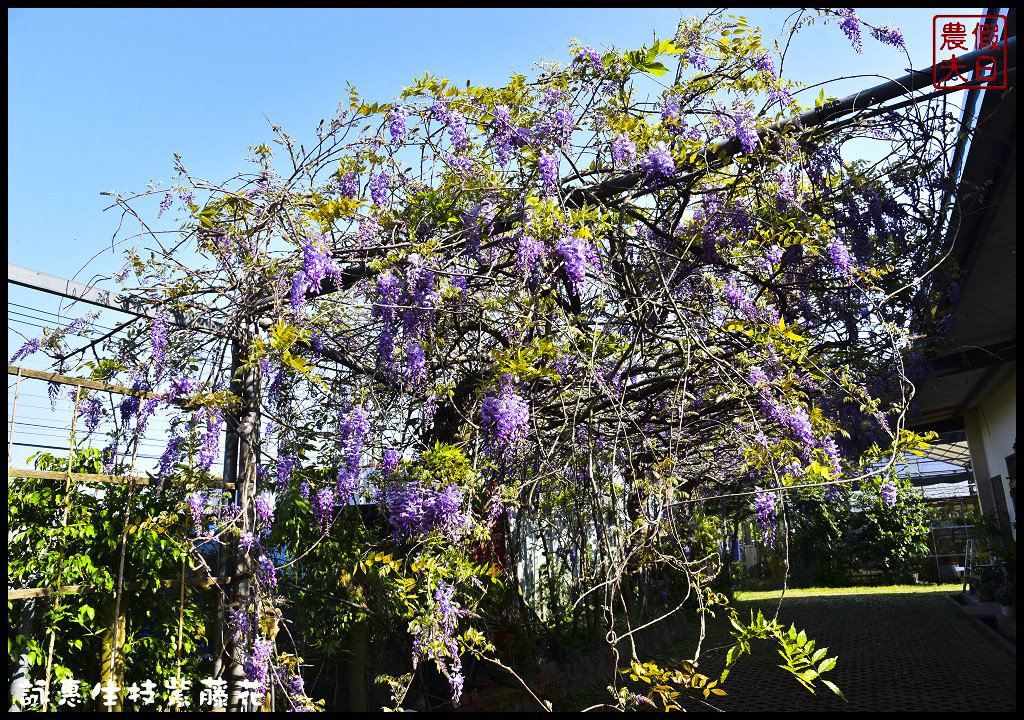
99	100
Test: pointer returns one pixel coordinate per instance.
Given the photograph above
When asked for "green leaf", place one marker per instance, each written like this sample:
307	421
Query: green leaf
833	688
668	47
827	664
655	68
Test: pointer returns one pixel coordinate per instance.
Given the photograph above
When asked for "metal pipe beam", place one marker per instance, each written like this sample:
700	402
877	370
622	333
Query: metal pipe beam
812	118
54	285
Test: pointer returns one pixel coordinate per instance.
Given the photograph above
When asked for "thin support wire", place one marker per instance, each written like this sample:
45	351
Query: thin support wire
14	414
120	568
60	563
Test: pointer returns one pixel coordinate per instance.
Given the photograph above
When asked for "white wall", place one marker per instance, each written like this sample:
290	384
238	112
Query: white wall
991	433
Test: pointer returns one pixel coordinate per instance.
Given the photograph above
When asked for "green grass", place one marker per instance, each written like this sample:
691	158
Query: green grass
746	595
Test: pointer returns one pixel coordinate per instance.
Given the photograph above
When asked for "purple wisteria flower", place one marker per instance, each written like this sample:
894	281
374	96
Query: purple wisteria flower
672	114
379	188
415	372
786	196
323	506
196	508
588	53
415	510
737	298
165	204
450	612
548	165
429	409
559	128
461	164
295	688
129	406
265	504
180	386
145	413
506	417
781	95
421	298
266	573
745	131
575	253
832	493
795	420
505	136
839	257
390	289
247	540
454	121
28	348
851	27
698	60
552	96
831	450
767	512
439	111
348	186
457	130
757	376
889	34
286	464
158	337
353	429
389	463
658	164
766	65
209	445
530	251
317	263
368	230
170	457
257	667
495	507
799	423
238	621
623	152
90	407
397	124
889	493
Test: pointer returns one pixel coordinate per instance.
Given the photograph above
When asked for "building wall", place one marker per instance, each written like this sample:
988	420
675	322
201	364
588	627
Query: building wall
991	433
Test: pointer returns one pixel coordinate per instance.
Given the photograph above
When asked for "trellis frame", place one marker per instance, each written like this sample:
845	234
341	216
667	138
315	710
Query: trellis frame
73	479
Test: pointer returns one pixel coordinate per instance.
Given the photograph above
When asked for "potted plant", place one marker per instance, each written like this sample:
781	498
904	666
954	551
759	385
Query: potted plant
1006	593
991	578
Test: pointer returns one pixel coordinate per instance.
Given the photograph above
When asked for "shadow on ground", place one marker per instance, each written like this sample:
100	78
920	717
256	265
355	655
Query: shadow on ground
897	653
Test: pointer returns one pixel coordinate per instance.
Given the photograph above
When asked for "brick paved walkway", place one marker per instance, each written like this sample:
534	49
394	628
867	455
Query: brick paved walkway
898	653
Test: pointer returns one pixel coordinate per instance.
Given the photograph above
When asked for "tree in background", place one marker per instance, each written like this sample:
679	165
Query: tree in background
891	529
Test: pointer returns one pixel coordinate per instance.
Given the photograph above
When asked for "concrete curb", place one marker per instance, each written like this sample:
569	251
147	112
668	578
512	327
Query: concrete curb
974	618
